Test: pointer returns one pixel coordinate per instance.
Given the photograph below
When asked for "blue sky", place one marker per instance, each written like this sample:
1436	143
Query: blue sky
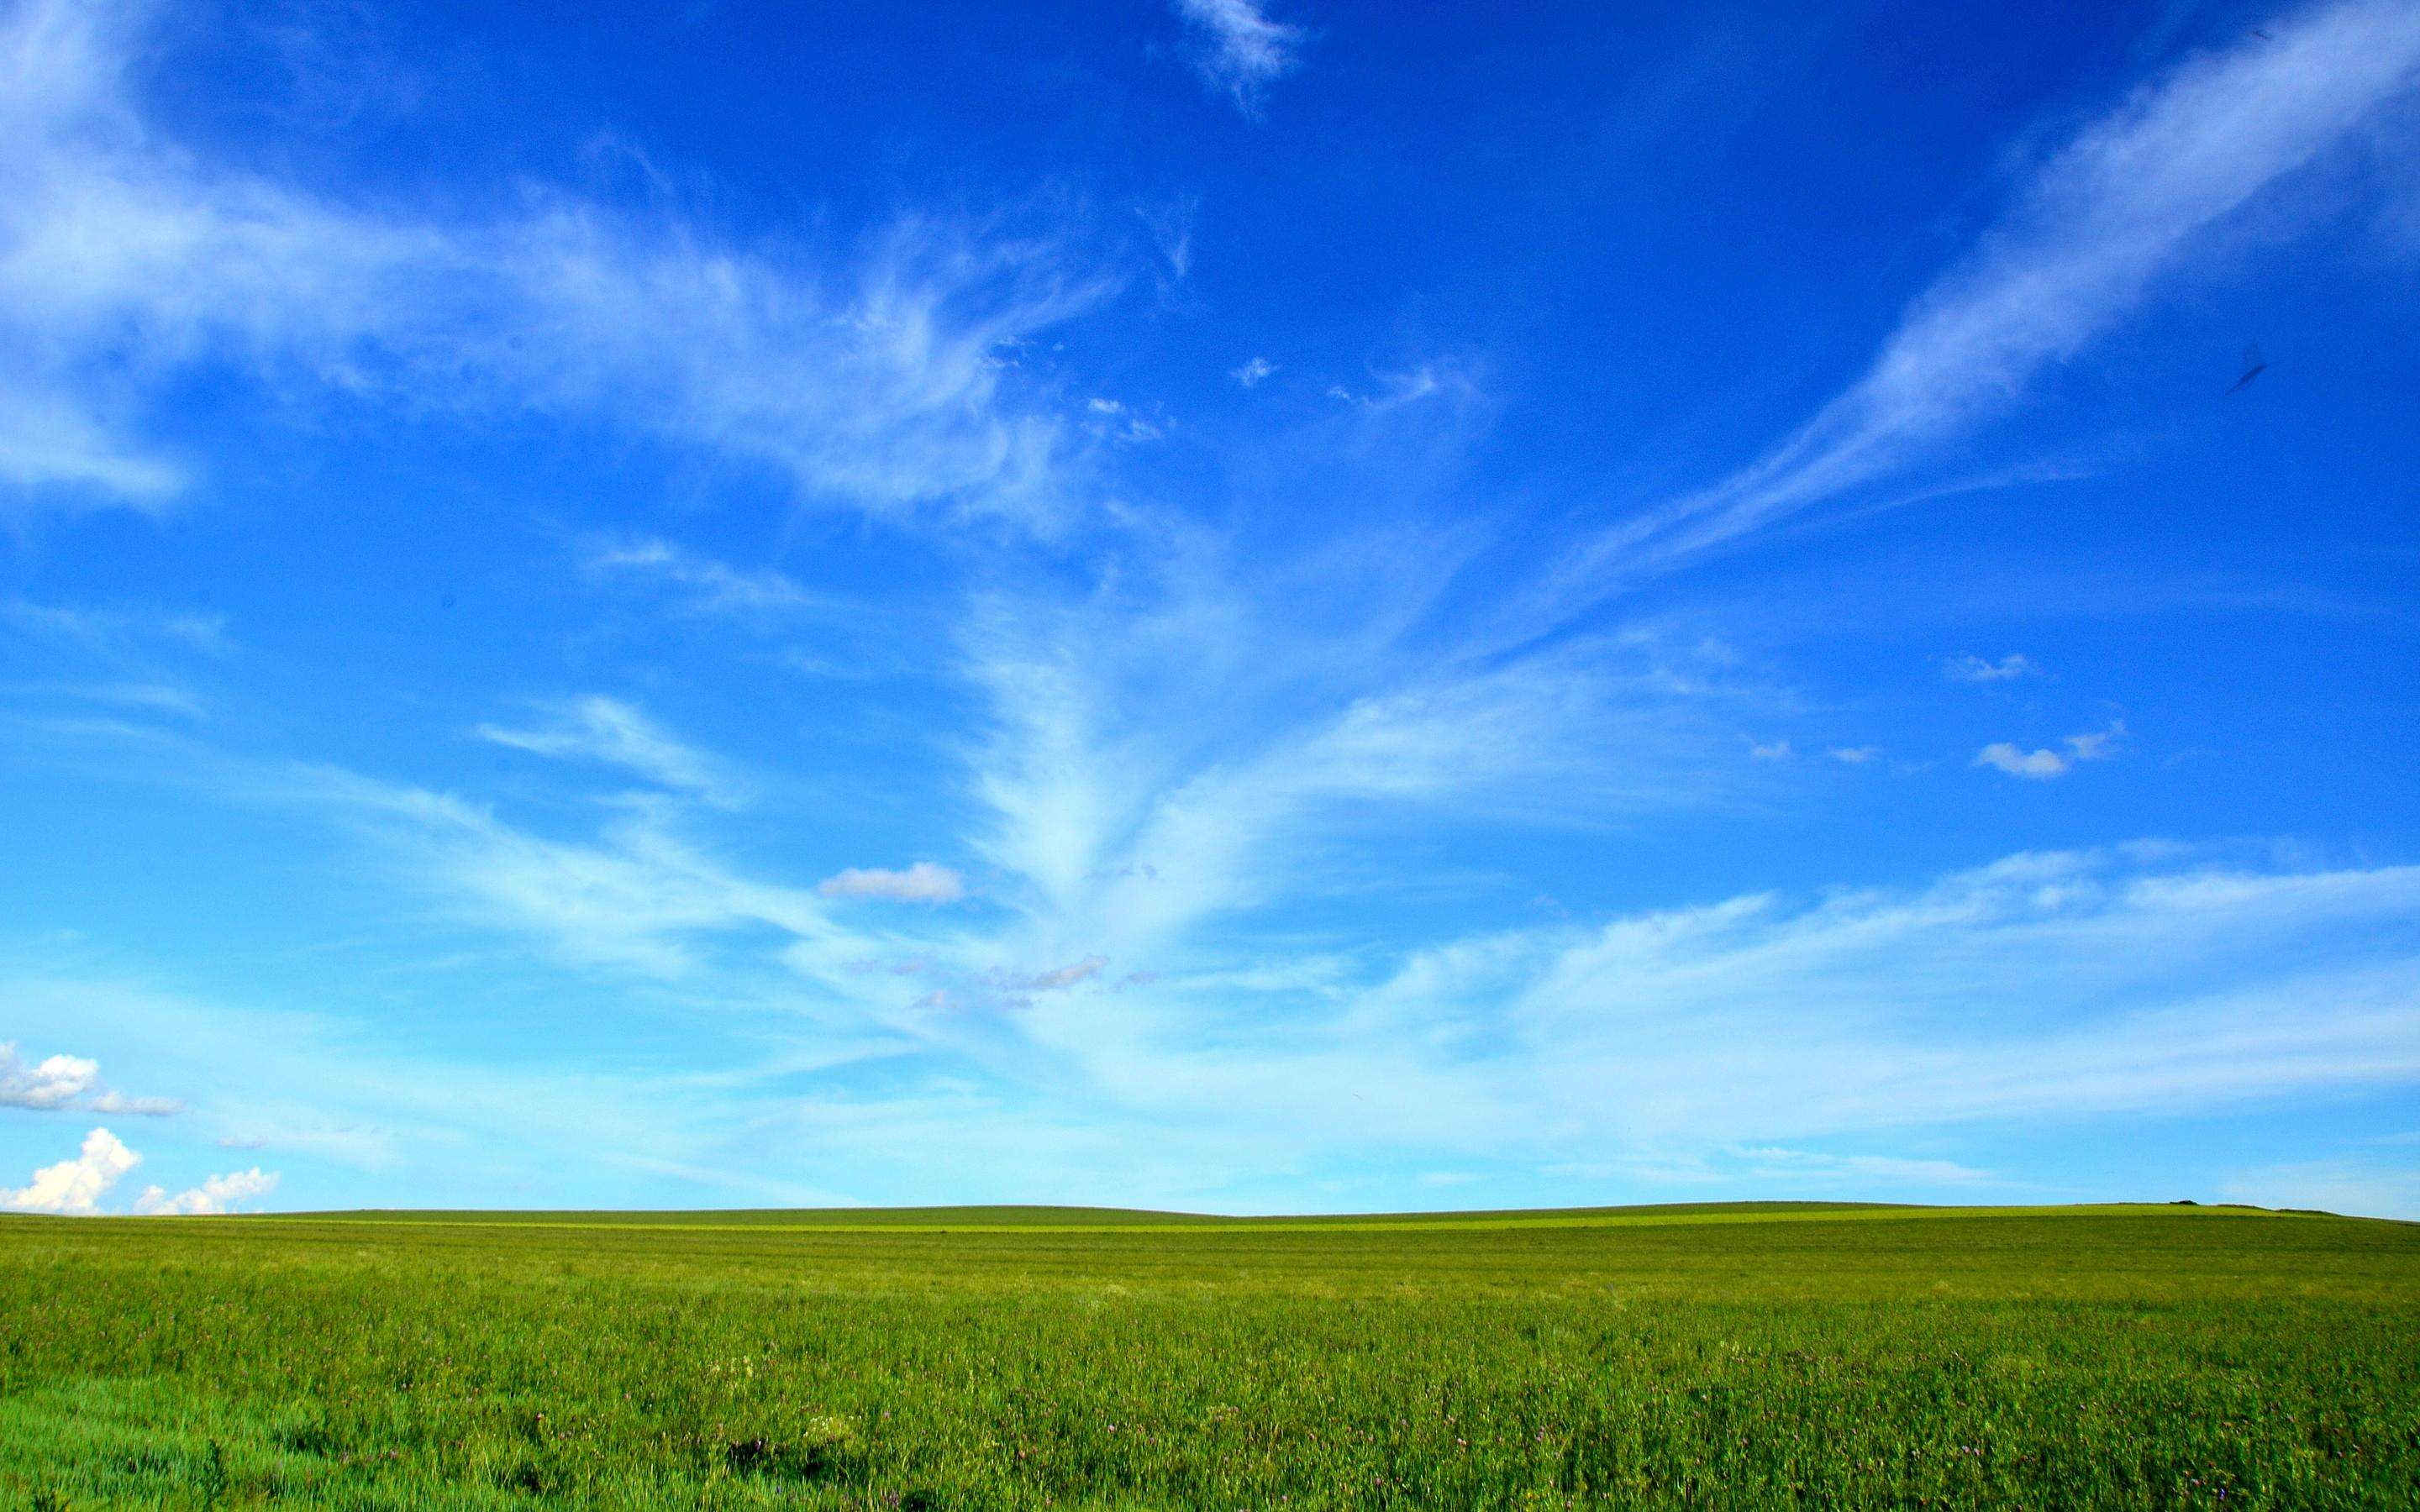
1255	607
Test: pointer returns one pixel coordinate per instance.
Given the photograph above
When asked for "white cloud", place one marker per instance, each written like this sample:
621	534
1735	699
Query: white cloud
2086	241
711	587
49	1083
59	1082
216	1194
117	1104
2041	765
332	1082
1975	669
154	698
1245	50
1854	755
1775	751
115	633
609	730
1253	372
873	380
921	883
1204	746
637	897
1775	1163
75	1186
1059	978
2038	764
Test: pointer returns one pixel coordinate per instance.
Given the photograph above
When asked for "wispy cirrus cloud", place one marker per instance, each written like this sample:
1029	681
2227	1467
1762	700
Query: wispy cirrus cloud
704	586
637	896
2146	982
1243	49
617	733
2087	238
1208	743
871	379
115	631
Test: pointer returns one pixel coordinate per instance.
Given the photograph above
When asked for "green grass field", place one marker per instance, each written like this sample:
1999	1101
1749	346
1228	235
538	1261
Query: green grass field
1745	1356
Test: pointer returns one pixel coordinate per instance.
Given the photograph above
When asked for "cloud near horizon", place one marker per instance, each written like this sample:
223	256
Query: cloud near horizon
216	1194
75	1186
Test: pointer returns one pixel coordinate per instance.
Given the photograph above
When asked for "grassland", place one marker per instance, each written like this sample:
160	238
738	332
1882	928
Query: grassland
1749	1356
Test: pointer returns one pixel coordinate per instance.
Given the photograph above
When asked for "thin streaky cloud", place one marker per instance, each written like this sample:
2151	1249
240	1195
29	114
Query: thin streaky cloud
869	379
704	586
2085	243
617	733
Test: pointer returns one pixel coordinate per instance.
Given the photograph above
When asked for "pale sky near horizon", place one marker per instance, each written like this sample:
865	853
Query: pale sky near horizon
1228	605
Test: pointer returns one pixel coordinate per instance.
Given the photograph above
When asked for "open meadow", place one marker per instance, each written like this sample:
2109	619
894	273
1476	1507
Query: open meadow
1070	1358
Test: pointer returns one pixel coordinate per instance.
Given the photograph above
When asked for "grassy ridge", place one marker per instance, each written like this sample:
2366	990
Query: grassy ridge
1042	1216
1944	1357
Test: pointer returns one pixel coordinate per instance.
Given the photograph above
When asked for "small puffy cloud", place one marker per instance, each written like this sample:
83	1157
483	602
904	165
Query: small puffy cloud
1975	669
1854	755
1777	751
2037	765
1251	373
2043	765
607	729
1116	420
45	1084
75	1185
1060	978
217	1193
58	1082
923	883
1244	52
